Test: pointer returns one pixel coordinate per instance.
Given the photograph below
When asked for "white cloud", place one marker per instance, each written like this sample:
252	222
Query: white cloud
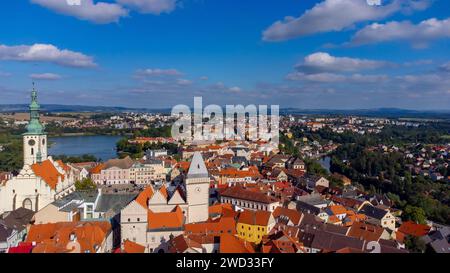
157	72
99	13
45	53
45	76
419	35
321	62
336	15
184	82
150	6
235	89
336	78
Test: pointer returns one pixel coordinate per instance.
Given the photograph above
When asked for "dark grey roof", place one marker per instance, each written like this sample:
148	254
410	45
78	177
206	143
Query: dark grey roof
86	196
390	249
373	212
442	233
70	206
239	159
307	208
439	240
332	242
18	219
313	199
310	223
153	161
5	232
440	246
114	202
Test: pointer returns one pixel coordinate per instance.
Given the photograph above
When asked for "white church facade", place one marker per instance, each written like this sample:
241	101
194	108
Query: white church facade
41	180
160	213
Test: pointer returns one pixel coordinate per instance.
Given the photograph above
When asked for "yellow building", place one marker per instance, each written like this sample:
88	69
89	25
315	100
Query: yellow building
253	225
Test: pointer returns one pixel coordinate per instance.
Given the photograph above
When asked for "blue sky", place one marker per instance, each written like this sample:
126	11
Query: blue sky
340	54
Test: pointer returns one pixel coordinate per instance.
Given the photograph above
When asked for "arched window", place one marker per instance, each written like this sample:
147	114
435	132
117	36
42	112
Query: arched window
27	204
32	151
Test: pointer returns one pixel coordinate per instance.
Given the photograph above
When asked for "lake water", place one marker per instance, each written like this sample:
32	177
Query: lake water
103	147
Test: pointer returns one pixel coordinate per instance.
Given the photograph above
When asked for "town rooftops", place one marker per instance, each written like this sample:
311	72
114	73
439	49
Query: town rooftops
329	242
60	237
238	192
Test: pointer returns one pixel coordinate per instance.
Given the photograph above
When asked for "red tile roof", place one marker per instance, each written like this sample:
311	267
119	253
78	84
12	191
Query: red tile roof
259	217
293	215
238	192
166	220
48	172
55	238
232	244
132	247
413	229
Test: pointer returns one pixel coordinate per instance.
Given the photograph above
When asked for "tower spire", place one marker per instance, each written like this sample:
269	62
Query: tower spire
34	126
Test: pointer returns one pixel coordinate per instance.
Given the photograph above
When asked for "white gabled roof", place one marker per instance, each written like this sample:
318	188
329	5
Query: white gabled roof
198	167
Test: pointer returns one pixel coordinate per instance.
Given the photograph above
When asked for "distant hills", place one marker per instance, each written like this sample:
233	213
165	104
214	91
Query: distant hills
378	112
58	108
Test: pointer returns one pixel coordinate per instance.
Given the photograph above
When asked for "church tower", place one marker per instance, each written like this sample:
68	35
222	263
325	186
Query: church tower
35	139
197	189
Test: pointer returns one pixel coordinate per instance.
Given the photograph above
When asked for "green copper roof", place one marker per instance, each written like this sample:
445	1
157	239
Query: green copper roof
34	127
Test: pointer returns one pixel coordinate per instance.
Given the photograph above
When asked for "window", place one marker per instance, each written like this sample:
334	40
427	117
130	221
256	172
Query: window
27	204
138	219
129	220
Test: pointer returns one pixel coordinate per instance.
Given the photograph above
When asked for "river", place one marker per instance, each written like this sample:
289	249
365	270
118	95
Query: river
103	147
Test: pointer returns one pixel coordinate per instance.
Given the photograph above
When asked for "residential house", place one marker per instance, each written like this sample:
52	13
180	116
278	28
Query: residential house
253	225
378	216
13	227
113	172
249	199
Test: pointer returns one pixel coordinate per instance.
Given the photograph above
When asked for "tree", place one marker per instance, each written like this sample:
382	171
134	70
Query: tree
415	244
414	214
85	184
